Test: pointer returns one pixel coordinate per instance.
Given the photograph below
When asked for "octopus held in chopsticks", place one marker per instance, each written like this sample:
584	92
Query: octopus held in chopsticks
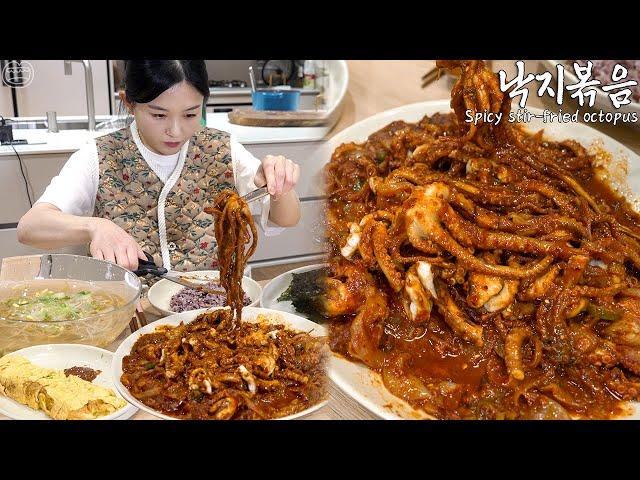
234	230
484	271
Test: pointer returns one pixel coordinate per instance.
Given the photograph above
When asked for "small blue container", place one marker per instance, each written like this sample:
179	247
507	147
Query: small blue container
275	99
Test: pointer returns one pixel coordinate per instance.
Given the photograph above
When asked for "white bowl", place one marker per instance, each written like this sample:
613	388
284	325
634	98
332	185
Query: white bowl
160	293
602	101
275	288
249	314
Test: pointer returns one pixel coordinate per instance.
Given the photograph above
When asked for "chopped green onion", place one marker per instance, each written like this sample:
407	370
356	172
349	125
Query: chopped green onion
197	395
603	313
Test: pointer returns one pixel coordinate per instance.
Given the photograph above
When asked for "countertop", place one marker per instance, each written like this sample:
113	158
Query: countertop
249	135
68	141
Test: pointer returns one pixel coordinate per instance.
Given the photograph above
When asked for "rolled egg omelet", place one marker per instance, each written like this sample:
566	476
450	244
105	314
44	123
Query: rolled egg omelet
59	396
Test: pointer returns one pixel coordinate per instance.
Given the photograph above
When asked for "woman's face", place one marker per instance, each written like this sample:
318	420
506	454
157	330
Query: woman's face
169	120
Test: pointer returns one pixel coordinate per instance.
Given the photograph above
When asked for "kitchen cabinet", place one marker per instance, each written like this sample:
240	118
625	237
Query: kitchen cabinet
14	194
305	154
305	239
38	169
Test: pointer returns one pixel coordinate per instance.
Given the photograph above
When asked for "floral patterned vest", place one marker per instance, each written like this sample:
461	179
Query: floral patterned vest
129	194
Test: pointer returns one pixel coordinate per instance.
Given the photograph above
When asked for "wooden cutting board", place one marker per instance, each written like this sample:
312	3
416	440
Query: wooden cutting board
273	118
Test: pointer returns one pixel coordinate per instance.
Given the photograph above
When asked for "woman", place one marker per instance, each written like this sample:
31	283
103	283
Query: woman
144	188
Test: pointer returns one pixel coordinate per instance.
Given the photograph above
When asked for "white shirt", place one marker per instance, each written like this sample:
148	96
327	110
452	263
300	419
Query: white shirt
75	188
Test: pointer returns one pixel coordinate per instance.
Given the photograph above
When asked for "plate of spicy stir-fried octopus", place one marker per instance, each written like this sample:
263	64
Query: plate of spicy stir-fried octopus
226	363
482	271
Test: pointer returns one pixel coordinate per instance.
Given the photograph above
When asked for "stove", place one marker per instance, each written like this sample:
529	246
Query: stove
225	95
227	84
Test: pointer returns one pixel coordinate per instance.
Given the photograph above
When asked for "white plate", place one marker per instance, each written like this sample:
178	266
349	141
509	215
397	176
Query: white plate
61	356
365	387
355	379
160	293
273	289
249	314
602	102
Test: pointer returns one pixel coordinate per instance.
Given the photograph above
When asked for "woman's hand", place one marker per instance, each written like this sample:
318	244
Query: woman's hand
44	226
112	243
279	174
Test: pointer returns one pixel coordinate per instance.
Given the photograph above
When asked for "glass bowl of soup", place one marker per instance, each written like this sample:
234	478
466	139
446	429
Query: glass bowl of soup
61	298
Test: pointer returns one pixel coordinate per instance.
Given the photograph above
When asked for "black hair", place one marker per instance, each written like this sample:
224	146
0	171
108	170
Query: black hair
145	80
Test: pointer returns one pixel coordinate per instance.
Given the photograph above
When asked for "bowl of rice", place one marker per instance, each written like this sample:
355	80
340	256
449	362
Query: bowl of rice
169	297
602	71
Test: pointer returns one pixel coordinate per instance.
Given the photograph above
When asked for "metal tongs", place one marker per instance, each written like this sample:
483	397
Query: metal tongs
256	194
148	266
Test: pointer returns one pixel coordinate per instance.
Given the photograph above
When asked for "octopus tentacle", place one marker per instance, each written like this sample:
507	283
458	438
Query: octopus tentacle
456	319
513	351
380	248
425	210
518	223
470	235
344	297
538	287
366	329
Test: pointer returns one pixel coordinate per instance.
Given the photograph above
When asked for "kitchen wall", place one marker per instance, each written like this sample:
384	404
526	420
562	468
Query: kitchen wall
52	90
6	106
229	69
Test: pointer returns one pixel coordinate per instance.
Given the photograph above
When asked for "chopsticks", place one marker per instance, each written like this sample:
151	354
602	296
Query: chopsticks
133	324
138	320
431	76
199	287
142	318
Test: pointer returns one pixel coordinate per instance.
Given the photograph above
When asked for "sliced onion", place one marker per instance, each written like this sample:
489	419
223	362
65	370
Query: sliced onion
631	292
551	410
408	387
